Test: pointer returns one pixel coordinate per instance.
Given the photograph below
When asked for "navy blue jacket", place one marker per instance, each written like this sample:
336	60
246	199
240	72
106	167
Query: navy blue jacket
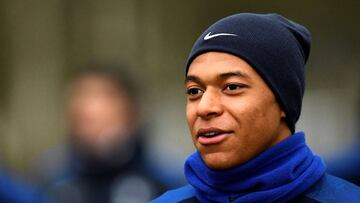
329	189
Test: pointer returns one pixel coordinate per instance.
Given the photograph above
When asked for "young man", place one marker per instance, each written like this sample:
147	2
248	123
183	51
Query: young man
245	83
105	157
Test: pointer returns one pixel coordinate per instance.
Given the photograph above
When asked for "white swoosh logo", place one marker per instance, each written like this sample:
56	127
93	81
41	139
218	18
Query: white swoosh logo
209	36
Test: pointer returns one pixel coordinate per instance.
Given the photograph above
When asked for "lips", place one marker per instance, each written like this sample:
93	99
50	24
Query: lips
207	136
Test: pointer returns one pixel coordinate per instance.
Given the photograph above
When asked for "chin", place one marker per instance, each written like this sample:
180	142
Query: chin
220	160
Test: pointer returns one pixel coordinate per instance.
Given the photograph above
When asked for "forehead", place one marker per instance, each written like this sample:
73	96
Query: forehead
213	64
92	83
90	87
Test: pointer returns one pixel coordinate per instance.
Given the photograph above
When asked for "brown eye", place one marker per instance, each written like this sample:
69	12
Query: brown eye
194	91
232	87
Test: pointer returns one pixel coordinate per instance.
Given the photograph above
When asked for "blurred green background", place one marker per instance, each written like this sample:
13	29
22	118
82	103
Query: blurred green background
43	41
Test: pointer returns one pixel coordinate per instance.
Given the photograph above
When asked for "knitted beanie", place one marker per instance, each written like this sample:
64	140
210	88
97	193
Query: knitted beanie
277	49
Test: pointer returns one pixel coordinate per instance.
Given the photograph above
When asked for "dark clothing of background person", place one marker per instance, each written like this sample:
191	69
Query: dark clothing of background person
16	191
69	175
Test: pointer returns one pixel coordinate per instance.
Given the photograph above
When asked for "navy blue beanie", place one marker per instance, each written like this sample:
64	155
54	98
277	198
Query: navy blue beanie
274	46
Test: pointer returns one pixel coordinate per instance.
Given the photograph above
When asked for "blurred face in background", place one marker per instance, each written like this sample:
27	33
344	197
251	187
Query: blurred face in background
232	114
100	113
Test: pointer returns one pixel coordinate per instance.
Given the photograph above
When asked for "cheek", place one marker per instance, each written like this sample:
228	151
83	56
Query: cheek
265	116
244	112
254	115
190	114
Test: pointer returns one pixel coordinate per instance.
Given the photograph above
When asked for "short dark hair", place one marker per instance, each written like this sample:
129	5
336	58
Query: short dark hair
113	72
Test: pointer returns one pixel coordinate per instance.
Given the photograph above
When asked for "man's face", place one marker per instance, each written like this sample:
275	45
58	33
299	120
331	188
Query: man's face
232	114
99	112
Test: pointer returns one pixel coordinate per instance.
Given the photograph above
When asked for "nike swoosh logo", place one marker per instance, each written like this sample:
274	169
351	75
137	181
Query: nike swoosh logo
209	36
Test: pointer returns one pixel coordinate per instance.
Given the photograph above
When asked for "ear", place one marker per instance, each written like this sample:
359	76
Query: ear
283	115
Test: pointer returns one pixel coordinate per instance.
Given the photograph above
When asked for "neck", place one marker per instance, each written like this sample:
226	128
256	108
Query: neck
282	133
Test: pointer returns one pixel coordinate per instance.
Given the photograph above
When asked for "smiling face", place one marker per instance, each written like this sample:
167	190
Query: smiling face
231	112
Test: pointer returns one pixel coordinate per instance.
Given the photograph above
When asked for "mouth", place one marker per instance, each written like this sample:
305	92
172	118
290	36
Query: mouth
207	136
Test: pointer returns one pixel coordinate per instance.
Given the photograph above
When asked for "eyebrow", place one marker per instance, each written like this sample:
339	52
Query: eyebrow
233	74
221	76
192	78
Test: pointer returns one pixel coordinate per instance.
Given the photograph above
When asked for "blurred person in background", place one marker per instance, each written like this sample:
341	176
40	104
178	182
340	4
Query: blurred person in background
105	160
244	79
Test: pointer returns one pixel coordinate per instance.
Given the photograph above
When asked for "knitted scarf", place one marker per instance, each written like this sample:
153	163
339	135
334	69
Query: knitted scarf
279	174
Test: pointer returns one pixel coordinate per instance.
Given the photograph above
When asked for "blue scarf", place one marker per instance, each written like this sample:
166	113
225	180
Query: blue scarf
278	174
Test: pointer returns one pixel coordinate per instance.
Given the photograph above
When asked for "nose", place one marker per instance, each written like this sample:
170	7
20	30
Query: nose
210	105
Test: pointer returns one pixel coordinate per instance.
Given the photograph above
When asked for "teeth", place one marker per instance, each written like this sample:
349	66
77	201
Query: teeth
210	134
